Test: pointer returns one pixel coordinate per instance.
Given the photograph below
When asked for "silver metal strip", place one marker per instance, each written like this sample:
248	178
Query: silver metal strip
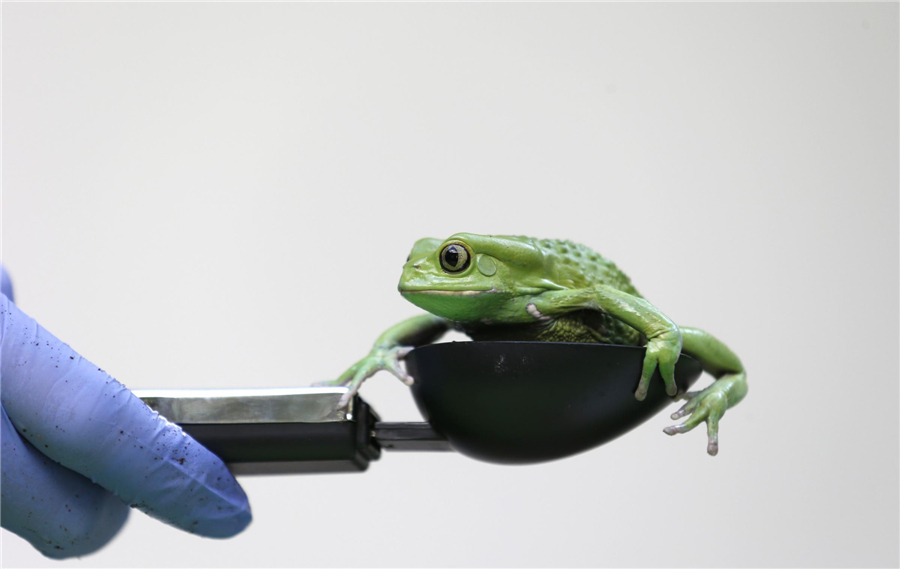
210	406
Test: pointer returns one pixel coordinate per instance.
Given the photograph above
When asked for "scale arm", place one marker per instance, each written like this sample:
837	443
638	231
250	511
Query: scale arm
295	430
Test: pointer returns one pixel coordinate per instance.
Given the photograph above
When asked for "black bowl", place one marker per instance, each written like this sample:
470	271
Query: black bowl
526	402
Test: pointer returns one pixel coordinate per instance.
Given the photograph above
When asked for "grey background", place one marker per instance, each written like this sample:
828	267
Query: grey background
223	195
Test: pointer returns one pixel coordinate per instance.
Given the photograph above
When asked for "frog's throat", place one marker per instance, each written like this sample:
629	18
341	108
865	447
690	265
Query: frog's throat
457	305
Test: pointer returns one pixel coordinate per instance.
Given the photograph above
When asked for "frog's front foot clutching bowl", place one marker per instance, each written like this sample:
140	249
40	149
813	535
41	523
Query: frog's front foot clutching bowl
380	358
662	351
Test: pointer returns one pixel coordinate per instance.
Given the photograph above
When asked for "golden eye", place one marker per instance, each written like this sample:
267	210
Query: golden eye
454	258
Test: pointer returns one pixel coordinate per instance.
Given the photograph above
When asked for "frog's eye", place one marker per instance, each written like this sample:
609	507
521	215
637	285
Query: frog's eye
454	258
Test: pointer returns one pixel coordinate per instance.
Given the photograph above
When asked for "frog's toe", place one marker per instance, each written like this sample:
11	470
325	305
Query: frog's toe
649	368
686	426
361	373
688	395
667	371
686	409
712	432
348	396
675	430
395	368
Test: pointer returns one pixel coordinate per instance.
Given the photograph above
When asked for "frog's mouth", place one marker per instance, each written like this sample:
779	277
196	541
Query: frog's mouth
443	292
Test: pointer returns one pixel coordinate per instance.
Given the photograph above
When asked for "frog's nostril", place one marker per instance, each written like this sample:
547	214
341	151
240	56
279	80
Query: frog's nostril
416	266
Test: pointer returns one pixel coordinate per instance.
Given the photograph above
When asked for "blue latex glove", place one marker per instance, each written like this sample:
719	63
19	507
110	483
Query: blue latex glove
78	448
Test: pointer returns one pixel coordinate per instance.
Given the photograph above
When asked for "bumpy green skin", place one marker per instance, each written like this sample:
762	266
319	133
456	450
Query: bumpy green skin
519	288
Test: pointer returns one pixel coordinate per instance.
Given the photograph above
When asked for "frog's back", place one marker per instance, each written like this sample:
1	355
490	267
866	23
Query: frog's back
573	266
578	266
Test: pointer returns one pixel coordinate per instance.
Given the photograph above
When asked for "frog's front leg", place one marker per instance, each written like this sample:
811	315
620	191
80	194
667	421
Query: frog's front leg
663	337
389	349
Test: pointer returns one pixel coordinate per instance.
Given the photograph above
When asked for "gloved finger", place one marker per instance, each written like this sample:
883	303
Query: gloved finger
60	512
79	416
5	284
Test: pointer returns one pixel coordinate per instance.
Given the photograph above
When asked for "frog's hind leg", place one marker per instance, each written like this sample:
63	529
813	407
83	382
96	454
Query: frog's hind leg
715	357
727	391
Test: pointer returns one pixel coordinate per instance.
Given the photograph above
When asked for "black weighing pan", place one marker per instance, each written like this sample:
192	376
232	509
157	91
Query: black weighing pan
502	402
524	402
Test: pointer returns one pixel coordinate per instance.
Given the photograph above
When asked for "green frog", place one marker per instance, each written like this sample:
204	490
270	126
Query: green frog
498	287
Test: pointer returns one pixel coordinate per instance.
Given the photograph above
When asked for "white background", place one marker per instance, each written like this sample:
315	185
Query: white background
223	194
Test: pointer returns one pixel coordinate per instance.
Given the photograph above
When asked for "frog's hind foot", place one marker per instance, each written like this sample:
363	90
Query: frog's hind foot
706	406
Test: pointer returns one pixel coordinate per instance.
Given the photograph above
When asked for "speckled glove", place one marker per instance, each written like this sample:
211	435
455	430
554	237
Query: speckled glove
78	448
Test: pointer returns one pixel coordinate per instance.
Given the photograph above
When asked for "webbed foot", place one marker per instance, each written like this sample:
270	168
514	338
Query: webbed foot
708	405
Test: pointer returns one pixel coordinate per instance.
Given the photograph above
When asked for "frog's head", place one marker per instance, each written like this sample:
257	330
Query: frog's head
472	277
